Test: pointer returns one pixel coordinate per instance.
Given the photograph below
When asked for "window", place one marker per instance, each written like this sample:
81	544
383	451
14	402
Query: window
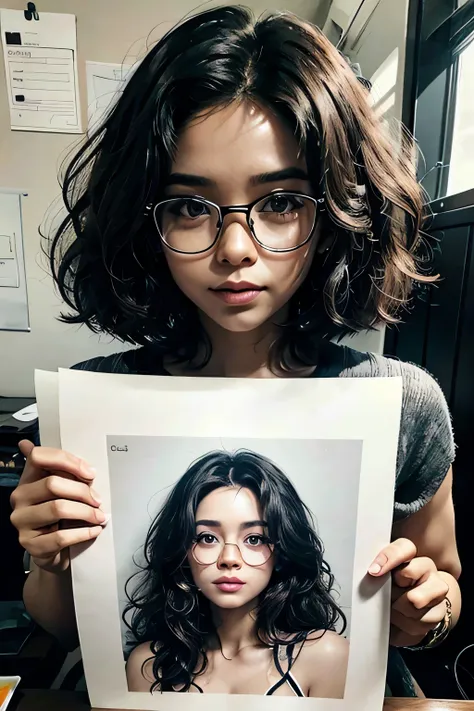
461	165
444	85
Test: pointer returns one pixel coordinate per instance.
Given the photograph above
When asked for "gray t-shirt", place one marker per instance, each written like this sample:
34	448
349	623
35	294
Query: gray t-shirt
426	445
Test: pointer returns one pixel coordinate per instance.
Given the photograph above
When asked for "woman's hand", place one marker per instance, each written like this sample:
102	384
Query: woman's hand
54	506
419	592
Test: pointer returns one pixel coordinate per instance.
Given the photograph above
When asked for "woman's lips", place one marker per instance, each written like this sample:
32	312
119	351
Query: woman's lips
237	298
229	587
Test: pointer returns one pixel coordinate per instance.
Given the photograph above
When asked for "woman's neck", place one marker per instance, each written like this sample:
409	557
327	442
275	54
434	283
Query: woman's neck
241	355
236	629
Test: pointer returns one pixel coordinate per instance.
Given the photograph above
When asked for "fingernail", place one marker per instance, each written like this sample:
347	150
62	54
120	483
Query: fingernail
375	569
107	518
100	516
95	496
89	471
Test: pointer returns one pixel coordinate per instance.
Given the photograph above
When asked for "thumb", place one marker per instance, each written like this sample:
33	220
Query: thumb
26	447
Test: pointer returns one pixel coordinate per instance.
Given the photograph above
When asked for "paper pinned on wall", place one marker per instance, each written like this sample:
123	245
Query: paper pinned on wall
13	292
105	82
41	71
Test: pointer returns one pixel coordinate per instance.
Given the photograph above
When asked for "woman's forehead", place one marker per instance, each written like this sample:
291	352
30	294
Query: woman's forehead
229	504
236	143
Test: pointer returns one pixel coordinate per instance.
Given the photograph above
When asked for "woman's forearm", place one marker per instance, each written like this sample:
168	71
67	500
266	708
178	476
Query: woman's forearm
48	599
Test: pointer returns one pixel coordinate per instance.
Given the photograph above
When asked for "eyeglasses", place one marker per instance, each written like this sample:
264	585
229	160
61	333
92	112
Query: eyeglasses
279	222
255	550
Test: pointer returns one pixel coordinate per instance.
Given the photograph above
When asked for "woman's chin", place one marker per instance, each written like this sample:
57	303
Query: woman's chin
241	321
229	601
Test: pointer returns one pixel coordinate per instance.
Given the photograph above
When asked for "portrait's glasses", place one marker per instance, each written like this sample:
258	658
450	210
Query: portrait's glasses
279	222
254	550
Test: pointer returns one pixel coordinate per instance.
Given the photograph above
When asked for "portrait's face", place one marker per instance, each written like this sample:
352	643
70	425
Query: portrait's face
232	560
233	157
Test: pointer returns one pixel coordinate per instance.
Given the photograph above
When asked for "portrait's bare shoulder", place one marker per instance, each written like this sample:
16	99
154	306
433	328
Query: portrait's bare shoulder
140	668
322	664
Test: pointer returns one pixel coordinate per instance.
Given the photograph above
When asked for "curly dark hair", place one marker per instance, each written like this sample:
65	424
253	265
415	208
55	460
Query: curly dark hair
168	611
106	255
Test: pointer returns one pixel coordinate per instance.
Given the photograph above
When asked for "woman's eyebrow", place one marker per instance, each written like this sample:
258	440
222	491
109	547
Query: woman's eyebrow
251	524
199	181
218	524
192	181
292	173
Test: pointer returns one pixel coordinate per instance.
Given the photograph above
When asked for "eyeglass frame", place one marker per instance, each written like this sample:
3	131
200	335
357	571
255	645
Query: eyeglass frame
224	210
224	544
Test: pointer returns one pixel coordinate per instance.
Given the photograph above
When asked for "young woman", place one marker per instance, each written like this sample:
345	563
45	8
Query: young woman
240	207
235	596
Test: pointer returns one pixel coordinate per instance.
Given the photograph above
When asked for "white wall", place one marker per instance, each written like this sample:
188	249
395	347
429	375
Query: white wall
376	40
108	32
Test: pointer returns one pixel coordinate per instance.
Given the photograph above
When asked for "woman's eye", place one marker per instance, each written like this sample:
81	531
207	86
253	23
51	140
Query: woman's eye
207	538
256	540
190	209
282	204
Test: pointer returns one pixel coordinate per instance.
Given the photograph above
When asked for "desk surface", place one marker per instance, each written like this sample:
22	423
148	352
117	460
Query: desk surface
67	701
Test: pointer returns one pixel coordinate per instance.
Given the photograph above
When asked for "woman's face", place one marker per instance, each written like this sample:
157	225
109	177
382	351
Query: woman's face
231	516
231	157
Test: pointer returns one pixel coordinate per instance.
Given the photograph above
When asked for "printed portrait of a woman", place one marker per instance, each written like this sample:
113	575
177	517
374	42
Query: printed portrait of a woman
235	596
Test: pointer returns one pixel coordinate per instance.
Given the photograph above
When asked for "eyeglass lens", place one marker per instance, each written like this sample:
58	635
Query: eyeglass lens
254	550
280	222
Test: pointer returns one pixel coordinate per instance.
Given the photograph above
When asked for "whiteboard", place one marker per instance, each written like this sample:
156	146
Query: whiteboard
13	292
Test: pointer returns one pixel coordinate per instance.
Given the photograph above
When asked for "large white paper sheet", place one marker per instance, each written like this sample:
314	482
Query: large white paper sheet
125	425
41	71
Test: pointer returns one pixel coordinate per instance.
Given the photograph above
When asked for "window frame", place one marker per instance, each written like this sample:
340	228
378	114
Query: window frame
438	32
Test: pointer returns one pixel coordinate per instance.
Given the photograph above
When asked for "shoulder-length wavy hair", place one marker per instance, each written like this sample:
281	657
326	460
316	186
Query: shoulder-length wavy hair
106	255
166	609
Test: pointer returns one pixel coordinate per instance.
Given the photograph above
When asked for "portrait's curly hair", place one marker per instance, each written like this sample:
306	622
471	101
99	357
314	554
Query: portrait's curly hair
106	255
167	610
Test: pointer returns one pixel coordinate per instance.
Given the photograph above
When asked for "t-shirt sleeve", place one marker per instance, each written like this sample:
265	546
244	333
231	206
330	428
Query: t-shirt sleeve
426	446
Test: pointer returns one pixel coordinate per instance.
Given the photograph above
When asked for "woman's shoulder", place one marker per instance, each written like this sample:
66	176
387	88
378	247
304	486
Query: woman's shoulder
140	668
324	643
115	363
422	394
137	361
322	662
344	362
426	444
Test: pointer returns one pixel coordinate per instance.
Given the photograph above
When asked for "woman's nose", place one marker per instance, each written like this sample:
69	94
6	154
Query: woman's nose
230	556
236	245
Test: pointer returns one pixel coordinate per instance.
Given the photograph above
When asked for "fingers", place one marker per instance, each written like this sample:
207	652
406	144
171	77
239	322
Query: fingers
49	544
418	627
51	504
54	487
44	515
45	459
414	573
400	551
26	447
418	601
